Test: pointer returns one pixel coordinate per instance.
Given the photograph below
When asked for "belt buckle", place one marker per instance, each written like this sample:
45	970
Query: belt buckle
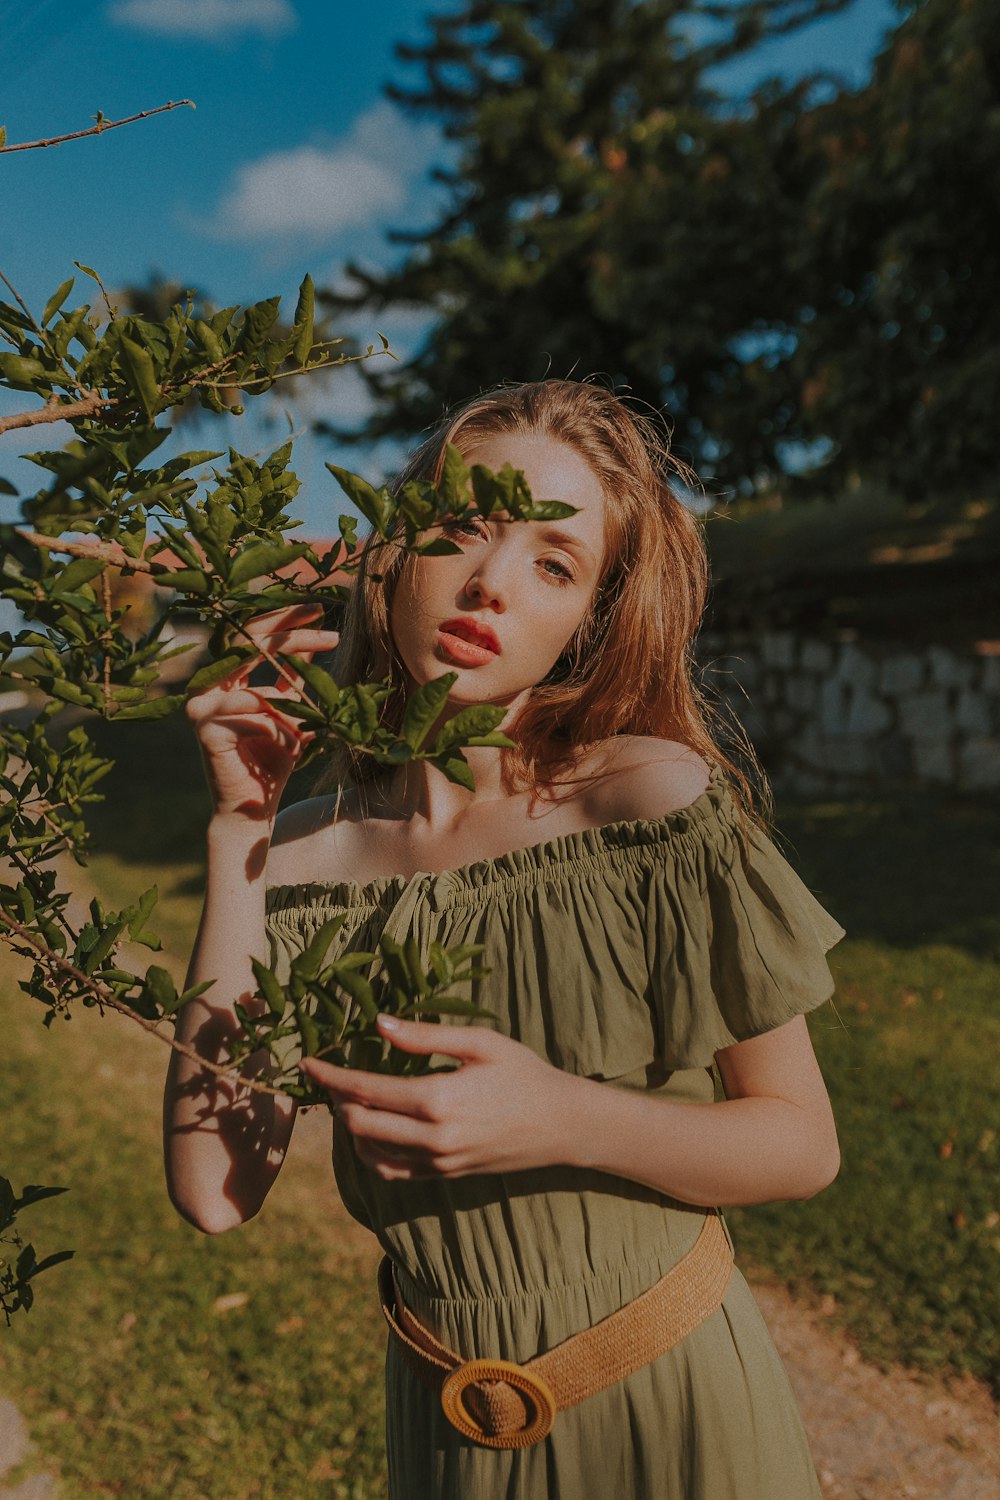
531	1385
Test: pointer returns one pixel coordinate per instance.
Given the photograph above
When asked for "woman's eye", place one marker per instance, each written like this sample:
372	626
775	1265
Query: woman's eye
555	570
459	527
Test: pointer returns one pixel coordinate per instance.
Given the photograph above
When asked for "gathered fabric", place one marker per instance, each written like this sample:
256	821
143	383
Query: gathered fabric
630	954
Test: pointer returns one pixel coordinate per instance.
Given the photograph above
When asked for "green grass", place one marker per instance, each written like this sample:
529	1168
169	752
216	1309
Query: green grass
133	1381
134	1385
907	1240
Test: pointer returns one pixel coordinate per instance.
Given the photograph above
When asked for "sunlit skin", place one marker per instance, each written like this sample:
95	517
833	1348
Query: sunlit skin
529	583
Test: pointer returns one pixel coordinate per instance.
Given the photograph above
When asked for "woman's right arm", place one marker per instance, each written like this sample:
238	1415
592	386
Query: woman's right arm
224	1142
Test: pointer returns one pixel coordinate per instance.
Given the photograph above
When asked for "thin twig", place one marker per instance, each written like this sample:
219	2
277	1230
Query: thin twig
55	410
107	637
98	129
104	996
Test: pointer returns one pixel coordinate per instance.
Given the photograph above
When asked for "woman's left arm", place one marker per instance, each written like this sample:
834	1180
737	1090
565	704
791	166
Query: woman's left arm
506	1110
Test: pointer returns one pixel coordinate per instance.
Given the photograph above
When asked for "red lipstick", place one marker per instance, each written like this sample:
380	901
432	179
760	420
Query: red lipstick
467	642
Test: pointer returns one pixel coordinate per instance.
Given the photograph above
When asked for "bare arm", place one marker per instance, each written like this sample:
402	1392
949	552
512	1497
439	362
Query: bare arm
223	1142
507	1110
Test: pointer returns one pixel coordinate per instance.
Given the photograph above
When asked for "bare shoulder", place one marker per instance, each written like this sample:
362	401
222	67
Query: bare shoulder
637	776
291	858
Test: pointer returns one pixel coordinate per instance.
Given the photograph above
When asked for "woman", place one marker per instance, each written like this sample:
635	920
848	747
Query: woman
640	931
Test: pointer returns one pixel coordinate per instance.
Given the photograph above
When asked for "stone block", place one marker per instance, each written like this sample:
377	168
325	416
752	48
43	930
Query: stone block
934	760
901	674
856	666
979	763
772	687
778	649
925	716
867	714
894	755
851	756
947	669
816	656
972	713
833	707
801	692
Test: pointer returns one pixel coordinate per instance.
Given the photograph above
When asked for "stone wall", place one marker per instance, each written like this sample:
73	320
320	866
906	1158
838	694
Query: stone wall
838	716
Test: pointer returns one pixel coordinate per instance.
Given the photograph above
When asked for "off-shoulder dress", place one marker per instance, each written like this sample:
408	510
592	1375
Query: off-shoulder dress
629	953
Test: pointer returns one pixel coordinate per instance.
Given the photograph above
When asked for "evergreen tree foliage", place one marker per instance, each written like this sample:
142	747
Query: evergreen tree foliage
900	363
807	272
608	212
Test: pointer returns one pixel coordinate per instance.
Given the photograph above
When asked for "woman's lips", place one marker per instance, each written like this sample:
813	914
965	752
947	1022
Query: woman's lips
468	643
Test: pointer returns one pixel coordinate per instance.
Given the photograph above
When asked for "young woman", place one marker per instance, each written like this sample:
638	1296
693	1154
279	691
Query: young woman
641	934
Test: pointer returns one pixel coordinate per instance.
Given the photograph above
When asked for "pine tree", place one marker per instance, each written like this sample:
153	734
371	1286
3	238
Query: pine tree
608	213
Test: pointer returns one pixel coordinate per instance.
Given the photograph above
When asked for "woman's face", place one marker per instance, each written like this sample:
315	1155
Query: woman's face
501	611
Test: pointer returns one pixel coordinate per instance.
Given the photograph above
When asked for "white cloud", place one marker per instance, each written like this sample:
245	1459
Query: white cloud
320	191
206	19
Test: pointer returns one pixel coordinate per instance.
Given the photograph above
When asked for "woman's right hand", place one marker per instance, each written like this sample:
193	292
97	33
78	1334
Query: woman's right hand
249	747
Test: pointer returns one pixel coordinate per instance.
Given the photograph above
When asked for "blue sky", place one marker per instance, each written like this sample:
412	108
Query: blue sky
292	162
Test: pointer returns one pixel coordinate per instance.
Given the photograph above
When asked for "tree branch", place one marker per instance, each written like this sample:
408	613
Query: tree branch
54	411
103	995
98	129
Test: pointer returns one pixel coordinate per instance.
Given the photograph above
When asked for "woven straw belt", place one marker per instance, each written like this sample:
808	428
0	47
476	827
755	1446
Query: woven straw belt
499	1404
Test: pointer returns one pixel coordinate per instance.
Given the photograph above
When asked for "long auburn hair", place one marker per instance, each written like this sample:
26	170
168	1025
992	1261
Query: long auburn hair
629	668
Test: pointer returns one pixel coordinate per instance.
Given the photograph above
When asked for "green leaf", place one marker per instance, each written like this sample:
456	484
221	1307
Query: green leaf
20	372
56	301
263	557
6	488
80	570
456	768
153	708
208	675
159	991
185	581
359	989
302	328
375	505
269	987
310	960
424	708
137	921
451	1005
471	726
318	680
142	371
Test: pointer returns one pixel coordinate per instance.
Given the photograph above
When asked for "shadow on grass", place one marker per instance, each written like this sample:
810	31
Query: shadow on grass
905	868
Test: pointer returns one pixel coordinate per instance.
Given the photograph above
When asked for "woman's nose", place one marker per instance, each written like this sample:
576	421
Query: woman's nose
486	585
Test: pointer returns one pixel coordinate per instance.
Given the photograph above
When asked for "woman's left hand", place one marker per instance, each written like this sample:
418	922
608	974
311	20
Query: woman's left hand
503	1110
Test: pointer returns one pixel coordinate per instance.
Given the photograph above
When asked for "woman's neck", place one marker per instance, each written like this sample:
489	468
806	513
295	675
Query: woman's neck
420	791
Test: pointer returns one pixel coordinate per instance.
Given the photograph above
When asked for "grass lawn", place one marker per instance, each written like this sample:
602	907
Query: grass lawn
248	1367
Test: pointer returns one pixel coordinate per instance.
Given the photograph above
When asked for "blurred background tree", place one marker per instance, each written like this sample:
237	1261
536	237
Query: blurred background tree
800	277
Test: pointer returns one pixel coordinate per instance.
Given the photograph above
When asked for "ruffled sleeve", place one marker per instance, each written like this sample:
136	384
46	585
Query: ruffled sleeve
742	943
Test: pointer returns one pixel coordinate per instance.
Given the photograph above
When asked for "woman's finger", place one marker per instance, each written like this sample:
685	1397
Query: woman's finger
470	1043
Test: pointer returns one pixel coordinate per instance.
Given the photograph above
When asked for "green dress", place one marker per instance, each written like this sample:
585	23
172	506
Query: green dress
629	953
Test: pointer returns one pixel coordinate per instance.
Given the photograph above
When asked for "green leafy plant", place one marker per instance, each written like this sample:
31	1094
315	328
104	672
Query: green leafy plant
214	538
19	1264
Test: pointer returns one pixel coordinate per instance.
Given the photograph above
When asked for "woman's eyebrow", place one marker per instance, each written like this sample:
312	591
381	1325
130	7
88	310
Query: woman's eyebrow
556	534
566	539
